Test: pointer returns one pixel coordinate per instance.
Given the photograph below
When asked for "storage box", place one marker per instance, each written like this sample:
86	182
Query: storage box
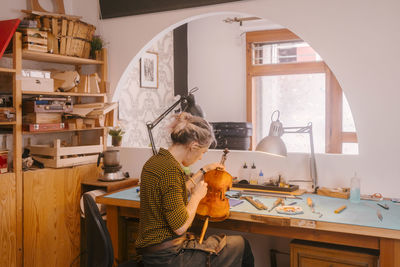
36	73
43	127
232	135
34	40
50	117
47	105
74	123
37	84
59	157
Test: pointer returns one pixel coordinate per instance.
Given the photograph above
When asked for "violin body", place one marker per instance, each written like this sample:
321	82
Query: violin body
215	205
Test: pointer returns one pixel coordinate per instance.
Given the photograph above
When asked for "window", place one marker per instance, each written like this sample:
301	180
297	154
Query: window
285	73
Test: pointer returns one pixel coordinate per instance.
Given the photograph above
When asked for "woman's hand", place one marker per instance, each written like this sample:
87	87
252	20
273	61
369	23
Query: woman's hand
200	190
213	166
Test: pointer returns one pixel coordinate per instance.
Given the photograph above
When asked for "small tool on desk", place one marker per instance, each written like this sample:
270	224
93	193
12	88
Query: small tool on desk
277	202
339	210
268	194
256	203
379	214
311	205
385	206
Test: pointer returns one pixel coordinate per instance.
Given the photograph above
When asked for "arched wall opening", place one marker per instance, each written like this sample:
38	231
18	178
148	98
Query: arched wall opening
217	65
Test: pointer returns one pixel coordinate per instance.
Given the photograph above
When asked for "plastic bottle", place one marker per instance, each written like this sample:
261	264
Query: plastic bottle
253	175
355	189
261	179
244	173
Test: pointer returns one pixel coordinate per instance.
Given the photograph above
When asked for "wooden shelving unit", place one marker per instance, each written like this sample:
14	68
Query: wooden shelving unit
65	130
16	223
62	93
7	70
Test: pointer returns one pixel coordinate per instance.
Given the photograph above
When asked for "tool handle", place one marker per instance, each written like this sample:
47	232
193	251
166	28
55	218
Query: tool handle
309	202
339	210
256	204
203	231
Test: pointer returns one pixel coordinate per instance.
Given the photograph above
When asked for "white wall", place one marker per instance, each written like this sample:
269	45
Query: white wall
369	79
217	65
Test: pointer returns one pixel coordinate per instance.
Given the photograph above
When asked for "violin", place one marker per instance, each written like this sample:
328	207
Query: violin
215	206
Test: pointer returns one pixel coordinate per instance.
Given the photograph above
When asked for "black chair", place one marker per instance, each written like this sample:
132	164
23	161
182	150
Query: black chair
98	241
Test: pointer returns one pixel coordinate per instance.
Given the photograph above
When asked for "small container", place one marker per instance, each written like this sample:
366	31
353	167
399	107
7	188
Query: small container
244	173
253	174
261	179
355	189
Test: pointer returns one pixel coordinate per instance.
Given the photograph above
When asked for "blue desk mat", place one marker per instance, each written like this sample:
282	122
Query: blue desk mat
363	213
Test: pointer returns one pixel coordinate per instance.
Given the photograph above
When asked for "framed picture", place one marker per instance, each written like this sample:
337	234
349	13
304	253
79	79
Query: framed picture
149	70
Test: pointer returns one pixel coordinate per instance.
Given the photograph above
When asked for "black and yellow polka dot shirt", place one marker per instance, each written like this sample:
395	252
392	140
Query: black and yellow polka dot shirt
163	199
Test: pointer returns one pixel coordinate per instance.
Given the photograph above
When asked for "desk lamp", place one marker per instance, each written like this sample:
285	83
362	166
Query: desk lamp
273	144
187	104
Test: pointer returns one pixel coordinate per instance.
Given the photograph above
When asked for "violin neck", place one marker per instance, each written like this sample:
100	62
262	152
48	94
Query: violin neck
226	151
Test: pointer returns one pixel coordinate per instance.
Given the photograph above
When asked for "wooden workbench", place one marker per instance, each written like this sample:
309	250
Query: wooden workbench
125	204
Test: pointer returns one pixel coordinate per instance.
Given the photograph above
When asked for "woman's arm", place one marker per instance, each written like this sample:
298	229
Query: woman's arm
198	176
199	191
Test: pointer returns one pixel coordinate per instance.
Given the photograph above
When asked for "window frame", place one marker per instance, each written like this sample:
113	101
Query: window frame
334	135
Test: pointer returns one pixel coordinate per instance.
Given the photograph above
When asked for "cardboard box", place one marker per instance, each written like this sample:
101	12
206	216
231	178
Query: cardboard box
37	84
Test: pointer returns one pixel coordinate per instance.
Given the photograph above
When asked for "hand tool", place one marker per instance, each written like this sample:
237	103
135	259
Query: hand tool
268	194
311	205
277	202
339	210
378	213
256	203
385	206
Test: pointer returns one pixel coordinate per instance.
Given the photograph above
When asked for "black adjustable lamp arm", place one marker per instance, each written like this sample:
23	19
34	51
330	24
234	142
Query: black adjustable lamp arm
151	125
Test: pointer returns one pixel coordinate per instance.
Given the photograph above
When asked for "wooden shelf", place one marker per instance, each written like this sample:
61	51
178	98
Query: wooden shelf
7	70
46	57
64	130
60	93
11	109
7	122
6	173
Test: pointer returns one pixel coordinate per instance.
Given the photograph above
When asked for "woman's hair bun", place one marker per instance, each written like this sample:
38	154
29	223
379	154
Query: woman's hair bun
187	128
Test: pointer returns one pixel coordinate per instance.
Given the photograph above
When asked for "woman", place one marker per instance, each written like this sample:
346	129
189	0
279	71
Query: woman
166	213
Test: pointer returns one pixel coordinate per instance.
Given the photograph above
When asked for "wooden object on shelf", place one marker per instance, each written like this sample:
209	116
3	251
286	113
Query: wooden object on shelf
43	127
308	253
35	40
67	34
83	84
330	192
93	83
89	123
63	38
41	117
104	110
74	123
59	6
66	156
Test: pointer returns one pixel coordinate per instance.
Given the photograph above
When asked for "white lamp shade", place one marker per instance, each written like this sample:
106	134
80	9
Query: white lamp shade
272	145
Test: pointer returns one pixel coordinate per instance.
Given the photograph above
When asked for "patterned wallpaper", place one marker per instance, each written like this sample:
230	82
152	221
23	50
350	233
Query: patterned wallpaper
140	105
